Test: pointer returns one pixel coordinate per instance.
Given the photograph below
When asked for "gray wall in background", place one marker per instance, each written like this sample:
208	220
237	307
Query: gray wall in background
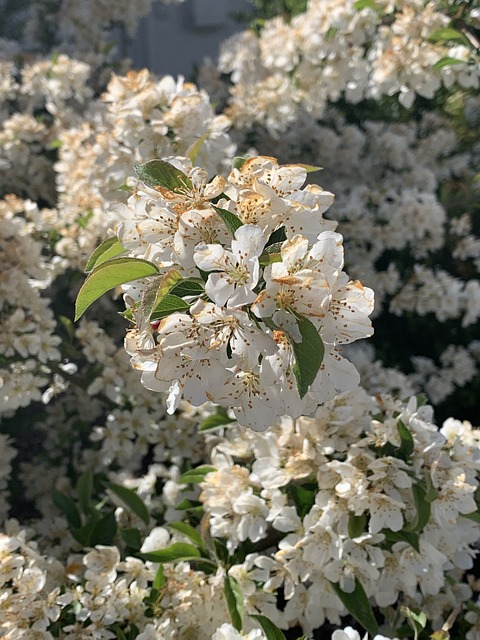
175	37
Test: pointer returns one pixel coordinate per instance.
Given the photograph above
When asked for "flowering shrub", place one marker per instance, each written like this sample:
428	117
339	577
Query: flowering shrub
242	303
385	97
131	514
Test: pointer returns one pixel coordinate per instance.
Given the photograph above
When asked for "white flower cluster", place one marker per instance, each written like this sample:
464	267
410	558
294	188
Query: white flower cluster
345	499
273	292
343	49
138	118
367	491
28	337
409	232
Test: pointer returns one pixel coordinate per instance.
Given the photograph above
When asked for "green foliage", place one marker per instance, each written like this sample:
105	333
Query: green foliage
272	632
109	275
194	476
216	420
358	606
234	598
110	248
156	291
232	222
308	355
159	174
131	500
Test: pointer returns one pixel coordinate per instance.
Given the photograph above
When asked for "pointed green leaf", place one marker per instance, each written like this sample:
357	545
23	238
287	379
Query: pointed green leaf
168	305
474	516
271	631
431	492
308	355
309	168
409	537
269	258
232	221
234	599
423	509
163	175
132	537
196	475
407	444
216	420
104	530
109	275
160	579
187	530
158	289
68	507
446	62
131	500
110	248
173	553
193	506
84	489
358	606
83	534
356	525
364	4
238	162
194	149
447	34
189	287
303	497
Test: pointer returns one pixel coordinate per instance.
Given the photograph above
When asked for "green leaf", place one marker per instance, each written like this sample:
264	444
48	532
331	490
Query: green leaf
446	62
407	444
104	530
309	168
431	492
84	490
358	606
416	617
189	287
232	222
366	4
109	275
356	525
194	149
160	579
234	598
132	537
194	476
131	500
216	420
474	516
409	537
84	534
187	530
159	174
423	509
271	631
110	248
68	507
238	162
194	506
303	497
155	291
269	258
308	355
447	34
168	305
173	553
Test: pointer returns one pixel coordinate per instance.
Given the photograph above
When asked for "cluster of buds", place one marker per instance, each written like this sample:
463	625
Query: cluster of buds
238	295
